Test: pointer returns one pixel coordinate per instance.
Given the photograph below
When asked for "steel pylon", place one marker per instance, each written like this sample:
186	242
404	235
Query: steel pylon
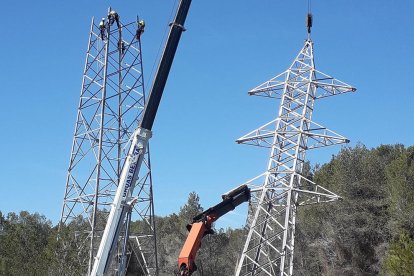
111	102
279	191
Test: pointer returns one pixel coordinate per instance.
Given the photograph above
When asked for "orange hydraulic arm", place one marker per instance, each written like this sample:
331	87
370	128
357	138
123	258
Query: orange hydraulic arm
202	224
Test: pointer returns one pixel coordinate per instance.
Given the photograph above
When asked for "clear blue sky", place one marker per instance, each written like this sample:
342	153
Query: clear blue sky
230	47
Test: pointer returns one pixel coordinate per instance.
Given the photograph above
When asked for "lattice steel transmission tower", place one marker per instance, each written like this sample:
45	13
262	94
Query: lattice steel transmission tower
111	102
283	187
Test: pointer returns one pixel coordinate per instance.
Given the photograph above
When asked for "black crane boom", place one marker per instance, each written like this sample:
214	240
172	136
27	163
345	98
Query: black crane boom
160	79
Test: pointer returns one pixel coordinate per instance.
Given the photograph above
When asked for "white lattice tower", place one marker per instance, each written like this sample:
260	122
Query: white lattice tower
278	192
111	102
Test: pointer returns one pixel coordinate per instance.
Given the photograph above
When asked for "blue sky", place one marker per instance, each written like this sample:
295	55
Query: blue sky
230	47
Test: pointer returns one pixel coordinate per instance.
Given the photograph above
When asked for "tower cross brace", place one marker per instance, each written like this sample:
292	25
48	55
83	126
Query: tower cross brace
111	103
283	187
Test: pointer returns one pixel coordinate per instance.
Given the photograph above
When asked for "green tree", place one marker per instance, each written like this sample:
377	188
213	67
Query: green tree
63	252
23	244
400	177
348	237
191	208
400	260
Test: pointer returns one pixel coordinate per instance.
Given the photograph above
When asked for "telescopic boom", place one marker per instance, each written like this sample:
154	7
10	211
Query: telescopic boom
130	171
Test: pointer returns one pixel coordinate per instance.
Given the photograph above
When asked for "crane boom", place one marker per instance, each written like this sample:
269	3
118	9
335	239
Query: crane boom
201	226
130	171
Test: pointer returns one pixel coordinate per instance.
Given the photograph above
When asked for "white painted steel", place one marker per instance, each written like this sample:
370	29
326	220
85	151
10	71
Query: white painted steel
278	192
109	111
123	193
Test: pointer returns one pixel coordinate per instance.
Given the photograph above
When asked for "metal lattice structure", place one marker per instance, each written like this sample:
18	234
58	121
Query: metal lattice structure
111	102
278	192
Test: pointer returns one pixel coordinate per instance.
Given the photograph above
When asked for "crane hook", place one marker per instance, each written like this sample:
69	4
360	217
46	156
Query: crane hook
309	21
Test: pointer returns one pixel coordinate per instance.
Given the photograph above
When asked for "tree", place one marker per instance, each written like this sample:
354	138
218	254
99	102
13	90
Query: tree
369	232
348	237
23	244
400	261
191	208
400	177
64	255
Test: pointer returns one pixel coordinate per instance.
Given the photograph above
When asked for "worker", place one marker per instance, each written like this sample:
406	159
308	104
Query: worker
102	28
141	27
113	16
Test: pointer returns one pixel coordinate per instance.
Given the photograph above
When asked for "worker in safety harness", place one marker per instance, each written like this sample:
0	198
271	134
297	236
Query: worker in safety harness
141	27
102	28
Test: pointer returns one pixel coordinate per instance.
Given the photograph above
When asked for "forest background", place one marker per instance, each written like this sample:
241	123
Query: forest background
369	232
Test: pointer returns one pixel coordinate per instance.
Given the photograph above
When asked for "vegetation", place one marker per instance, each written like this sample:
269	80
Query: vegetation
369	232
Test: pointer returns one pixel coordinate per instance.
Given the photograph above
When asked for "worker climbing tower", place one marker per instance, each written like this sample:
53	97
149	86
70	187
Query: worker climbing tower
283	187
111	103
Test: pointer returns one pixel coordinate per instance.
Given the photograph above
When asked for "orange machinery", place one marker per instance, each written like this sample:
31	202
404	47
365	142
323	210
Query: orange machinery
202	225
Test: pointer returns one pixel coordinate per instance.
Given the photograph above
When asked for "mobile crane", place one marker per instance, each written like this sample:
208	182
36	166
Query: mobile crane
201	226
123	199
